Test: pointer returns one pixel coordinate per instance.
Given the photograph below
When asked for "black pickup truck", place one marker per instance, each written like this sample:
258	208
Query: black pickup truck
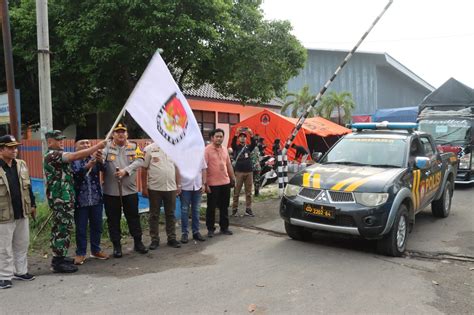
371	184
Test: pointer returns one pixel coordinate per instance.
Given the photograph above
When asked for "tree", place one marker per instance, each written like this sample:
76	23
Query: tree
297	103
340	102
100	48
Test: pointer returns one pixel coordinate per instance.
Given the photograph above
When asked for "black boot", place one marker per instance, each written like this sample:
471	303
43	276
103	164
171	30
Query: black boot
68	260
59	265
117	249
139	247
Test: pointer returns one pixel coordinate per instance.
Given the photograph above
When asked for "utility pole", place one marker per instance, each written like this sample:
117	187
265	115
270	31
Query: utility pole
44	74
10	77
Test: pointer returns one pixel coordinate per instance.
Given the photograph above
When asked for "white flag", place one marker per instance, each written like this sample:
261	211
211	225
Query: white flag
161	110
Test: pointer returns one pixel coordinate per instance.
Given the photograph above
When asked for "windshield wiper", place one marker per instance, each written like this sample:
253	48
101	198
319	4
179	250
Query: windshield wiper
347	163
447	134
386	165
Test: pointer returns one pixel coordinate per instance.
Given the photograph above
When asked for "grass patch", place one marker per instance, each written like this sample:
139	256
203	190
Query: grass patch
42	243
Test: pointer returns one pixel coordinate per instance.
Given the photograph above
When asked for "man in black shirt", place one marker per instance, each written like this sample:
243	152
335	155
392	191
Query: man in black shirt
243	169
16	203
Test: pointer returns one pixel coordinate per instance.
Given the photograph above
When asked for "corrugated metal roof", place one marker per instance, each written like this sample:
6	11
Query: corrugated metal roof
375	80
397	65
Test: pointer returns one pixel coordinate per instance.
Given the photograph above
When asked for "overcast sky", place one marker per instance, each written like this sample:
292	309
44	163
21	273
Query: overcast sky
432	38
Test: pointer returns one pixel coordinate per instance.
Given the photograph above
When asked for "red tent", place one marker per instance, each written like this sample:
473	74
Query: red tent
317	133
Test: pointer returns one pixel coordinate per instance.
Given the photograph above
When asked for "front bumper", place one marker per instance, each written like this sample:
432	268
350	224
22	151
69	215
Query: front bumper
350	218
464	177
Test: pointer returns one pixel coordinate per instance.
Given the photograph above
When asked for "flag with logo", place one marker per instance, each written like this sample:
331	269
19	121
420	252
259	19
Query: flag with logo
162	111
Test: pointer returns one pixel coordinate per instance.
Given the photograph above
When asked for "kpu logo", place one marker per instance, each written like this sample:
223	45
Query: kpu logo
172	120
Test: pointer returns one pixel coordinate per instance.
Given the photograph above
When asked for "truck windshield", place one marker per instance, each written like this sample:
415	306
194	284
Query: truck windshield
378	152
449	131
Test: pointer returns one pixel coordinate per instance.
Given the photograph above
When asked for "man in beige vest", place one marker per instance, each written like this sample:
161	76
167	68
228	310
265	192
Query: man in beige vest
16	203
161	183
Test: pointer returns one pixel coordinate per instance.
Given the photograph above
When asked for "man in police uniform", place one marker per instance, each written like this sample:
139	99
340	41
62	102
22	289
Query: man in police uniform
60	194
16	203
122	159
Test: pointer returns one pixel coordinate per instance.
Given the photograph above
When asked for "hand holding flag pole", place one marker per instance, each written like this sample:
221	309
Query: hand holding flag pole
111	130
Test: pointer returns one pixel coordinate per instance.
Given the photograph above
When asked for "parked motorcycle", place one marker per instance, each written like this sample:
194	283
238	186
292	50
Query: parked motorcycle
268	174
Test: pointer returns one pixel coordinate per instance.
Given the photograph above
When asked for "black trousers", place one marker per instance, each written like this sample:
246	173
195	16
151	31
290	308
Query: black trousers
114	214
218	197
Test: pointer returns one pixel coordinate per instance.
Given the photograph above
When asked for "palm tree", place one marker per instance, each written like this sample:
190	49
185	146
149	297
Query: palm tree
337	101
298	102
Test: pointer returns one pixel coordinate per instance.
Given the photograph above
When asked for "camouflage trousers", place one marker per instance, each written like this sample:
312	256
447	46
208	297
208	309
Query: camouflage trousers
256	181
62	224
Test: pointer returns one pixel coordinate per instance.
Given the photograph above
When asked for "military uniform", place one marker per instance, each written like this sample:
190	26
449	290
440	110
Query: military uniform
60	194
128	157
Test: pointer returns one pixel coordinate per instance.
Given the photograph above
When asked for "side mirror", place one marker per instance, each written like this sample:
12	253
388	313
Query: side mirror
422	163
316	156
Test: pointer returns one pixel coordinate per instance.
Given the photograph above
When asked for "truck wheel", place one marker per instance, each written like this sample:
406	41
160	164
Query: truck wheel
394	243
441	207
297	232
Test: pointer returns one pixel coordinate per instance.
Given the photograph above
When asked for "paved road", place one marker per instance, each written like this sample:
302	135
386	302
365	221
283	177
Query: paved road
267	273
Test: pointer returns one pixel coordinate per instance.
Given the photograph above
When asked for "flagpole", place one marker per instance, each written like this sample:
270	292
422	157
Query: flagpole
116	122
282	178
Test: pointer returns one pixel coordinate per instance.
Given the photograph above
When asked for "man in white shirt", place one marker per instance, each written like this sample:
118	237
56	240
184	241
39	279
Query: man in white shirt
163	182
191	198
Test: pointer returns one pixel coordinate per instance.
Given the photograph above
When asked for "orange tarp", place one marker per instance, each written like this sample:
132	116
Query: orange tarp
271	126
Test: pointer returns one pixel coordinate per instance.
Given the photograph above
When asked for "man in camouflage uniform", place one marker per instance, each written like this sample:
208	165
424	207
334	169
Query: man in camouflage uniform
60	194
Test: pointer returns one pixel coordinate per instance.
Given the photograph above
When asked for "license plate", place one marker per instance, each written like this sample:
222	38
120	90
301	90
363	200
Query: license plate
320	211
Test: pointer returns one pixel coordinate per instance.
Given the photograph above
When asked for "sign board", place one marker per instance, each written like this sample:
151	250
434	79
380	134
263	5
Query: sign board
5	112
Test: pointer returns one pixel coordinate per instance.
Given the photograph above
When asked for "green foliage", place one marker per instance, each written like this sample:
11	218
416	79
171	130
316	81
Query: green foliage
342	102
297	103
99	49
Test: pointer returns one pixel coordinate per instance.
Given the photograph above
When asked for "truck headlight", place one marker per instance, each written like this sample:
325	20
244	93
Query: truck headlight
371	199
465	161
291	190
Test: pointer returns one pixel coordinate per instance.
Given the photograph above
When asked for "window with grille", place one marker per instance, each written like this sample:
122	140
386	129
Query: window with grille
206	121
229	118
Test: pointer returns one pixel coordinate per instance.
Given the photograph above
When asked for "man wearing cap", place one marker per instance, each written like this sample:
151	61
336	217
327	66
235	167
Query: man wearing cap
16	203
122	159
243	169
89	202
60	194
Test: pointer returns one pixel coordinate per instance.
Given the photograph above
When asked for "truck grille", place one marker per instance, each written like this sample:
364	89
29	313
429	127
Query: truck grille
341	196
309	193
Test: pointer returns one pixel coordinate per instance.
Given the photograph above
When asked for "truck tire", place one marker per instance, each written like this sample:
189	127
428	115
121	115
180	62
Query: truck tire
394	243
442	207
297	232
